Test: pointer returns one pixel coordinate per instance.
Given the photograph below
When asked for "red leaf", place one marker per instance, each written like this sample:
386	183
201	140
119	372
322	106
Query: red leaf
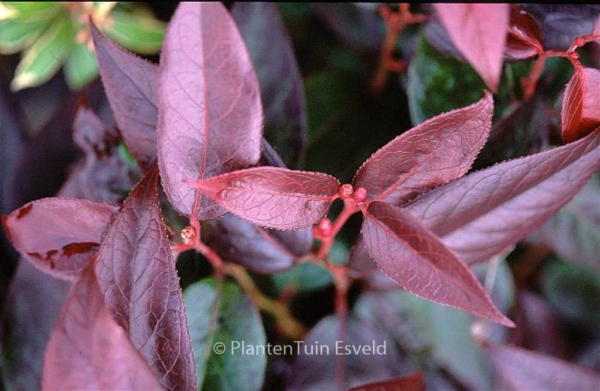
479	32
210	114
525	370
524	38
437	151
88	350
273	197
412	382
130	84
58	235
136	272
482	213
420	263
581	104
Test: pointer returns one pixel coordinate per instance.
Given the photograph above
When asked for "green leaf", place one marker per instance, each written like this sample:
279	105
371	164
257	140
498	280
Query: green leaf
18	35
42	60
436	335
28	8
573	291
303	278
138	32
437	84
81	66
220	316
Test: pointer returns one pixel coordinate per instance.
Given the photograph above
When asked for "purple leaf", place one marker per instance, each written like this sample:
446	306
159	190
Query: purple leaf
437	151
32	306
420	263
210	113
479	32
58	235
525	370
88	350
562	23
280	80
273	197
258	249
103	174
130	84
482	213
136	272
574	232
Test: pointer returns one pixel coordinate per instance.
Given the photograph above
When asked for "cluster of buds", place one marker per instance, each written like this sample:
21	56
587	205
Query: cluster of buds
347	191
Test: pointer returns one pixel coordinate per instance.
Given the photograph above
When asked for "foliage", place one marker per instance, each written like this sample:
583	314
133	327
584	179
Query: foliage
53	34
256	213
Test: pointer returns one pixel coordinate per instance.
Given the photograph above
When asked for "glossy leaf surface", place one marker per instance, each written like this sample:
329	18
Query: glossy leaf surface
580	113
89	350
136	272
419	262
210	113
58	235
433	153
281	86
479	32
273	197
222	317
482	213
259	249
130	84
524	39
526	370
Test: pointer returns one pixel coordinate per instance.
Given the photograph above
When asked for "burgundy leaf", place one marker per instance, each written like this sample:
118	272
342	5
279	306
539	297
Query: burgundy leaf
420	263
412	382
525	370
136	272
103	174
58	235
130	84
273	197
479	32
88	350
210	113
562	23
258	249
437	151
524	38
580	113
482	213
281	85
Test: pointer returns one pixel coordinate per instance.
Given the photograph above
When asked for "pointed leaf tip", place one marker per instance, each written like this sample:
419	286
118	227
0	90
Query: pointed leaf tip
421	263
